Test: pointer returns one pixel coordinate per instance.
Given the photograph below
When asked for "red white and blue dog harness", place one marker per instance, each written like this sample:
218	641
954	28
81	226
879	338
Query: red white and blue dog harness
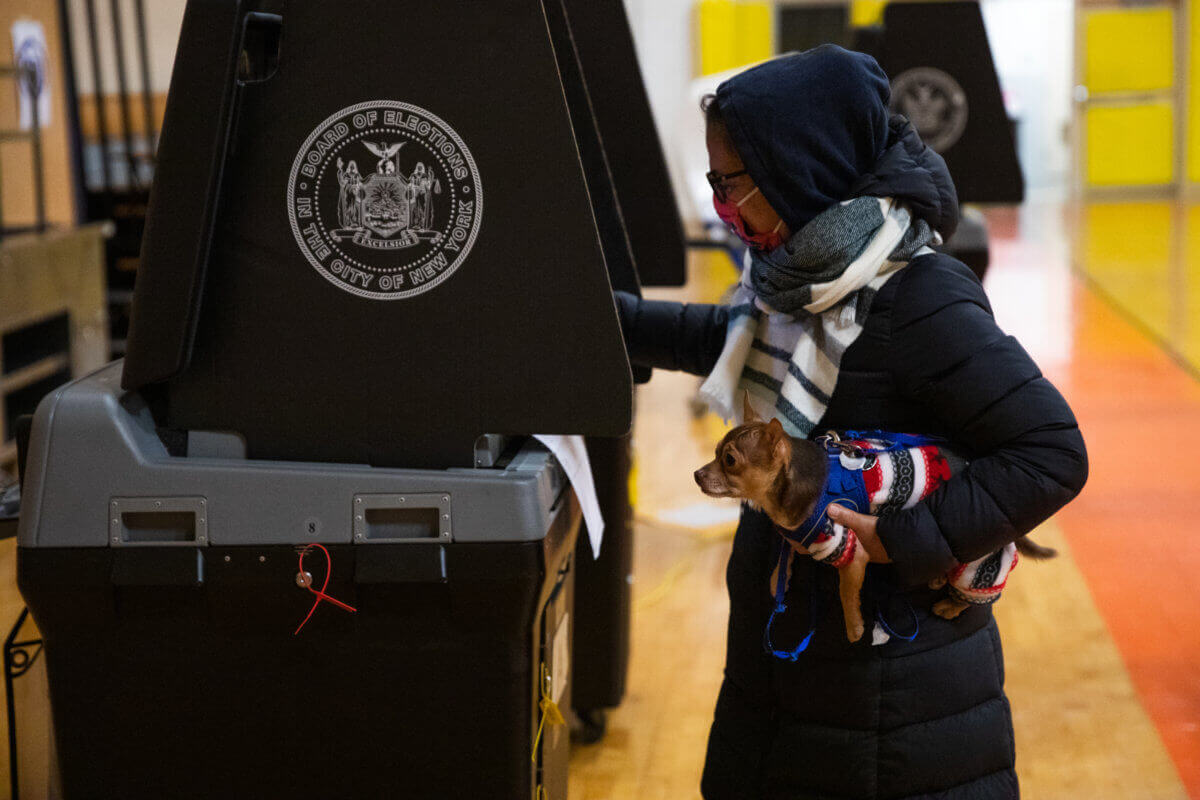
874	472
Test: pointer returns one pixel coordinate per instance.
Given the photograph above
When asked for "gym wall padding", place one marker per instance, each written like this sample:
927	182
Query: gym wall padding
865	13
732	34
1193	92
1130	145
1129	131
1129	50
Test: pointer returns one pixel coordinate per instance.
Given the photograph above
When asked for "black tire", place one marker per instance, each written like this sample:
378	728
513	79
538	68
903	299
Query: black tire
593	724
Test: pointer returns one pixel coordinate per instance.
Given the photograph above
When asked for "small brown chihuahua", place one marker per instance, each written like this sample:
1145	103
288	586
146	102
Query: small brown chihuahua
759	463
784	477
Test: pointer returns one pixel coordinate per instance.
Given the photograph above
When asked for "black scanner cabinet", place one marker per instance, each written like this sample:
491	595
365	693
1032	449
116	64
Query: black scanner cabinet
166	589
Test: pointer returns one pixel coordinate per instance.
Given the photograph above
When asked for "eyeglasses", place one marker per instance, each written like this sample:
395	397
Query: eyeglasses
717	181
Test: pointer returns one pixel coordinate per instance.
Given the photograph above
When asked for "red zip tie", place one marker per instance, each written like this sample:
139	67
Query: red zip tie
306	582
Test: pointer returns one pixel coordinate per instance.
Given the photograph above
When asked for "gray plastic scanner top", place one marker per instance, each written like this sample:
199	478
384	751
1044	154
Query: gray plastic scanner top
94	450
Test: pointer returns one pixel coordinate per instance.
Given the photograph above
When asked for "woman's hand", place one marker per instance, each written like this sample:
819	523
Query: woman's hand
863	526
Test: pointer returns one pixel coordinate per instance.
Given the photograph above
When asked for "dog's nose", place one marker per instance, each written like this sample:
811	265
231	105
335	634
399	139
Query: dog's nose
699	476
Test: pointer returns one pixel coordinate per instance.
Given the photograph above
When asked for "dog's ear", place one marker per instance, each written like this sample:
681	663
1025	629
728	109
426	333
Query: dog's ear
781	443
748	412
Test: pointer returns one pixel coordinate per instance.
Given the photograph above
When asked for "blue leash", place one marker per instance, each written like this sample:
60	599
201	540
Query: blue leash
888	628
793	655
785	552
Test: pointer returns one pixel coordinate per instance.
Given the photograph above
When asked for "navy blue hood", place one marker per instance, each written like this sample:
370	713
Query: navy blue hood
814	129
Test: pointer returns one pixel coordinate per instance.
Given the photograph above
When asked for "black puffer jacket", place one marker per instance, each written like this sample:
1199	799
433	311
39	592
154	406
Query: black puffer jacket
922	719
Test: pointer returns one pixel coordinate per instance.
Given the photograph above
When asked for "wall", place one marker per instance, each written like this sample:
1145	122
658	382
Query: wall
1032	44
1034	61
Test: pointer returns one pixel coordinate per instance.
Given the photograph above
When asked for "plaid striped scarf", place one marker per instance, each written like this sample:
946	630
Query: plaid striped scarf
800	306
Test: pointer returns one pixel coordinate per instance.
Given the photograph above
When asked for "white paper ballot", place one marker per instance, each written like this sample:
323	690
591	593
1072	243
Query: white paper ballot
571	453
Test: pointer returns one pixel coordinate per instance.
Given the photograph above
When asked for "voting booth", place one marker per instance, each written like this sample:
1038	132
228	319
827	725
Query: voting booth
303	541
944	80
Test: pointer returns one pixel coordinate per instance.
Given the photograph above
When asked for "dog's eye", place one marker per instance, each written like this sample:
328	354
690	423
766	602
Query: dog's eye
729	460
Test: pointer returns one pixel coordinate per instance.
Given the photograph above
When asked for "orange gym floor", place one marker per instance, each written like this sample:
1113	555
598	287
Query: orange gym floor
1102	645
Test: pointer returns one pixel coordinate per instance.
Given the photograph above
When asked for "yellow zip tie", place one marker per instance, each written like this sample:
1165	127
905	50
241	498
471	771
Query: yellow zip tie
550	711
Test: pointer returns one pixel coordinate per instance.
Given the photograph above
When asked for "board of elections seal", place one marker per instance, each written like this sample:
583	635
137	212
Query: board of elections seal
934	102
384	200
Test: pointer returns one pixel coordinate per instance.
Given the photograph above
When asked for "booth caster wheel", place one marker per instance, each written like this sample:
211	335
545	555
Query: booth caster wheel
592	726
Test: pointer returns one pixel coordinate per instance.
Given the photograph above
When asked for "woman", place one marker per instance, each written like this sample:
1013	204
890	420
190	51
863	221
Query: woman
846	319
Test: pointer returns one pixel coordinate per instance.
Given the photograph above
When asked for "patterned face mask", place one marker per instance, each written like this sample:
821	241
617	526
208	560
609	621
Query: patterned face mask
729	213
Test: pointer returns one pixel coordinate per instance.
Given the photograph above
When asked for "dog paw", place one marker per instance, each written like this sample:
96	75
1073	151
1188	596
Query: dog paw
948	608
854	631
938	582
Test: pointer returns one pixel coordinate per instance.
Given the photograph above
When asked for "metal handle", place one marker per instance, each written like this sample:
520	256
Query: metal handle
402	518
